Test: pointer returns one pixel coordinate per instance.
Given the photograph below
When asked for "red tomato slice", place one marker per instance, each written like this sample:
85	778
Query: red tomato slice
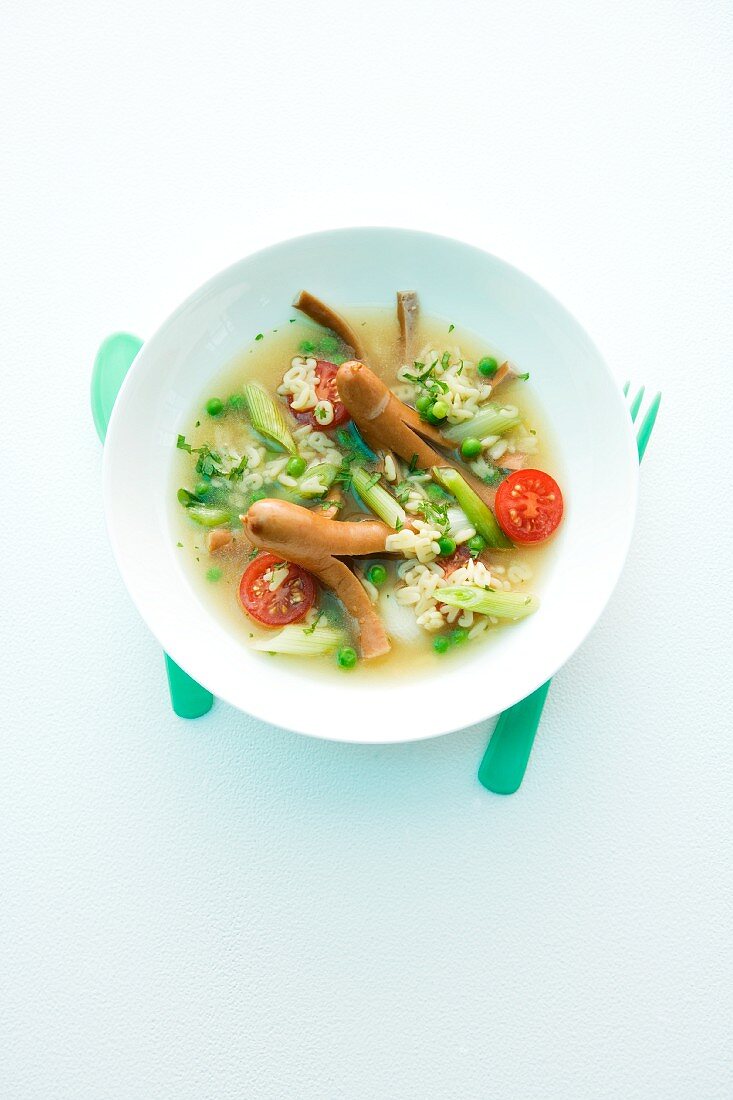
325	391
290	601
528	506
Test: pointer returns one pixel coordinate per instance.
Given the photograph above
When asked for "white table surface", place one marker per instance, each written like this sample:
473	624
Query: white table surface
216	909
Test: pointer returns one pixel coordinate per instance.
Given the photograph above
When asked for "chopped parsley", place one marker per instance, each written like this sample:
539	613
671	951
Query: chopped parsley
413	464
310	629
259	336
451	327
208	462
237	472
523	377
435	514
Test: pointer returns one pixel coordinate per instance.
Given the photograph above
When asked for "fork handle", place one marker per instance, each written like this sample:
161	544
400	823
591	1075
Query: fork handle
505	760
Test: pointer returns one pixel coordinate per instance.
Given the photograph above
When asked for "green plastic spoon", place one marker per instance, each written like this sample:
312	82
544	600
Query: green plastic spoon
507	755
113	360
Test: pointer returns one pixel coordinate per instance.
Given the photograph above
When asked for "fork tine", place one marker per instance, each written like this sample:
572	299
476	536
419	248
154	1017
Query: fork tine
645	431
636	404
626	387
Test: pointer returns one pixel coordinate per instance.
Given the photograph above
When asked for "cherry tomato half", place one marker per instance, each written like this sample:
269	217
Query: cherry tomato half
325	391
528	506
292	599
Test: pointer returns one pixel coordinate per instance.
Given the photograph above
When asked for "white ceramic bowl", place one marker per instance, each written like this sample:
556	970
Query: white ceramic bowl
365	267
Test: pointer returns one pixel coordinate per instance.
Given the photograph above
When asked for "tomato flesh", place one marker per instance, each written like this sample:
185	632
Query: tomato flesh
528	506
290	601
325	391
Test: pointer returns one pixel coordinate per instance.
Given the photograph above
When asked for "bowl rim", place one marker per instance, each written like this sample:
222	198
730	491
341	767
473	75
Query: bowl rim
147	354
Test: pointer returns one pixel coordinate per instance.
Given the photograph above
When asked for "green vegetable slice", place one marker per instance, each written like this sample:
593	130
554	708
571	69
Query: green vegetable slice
478	514
502	605
302	641
267	417
490	420
324	474
208	517
376	497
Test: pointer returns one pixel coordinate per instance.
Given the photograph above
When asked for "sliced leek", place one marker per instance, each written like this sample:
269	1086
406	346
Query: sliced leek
267	417
376	497
302	641
208	517
317	480
479	515
490	420
502	605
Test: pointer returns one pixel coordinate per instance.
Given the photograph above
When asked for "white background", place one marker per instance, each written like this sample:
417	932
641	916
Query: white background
217	909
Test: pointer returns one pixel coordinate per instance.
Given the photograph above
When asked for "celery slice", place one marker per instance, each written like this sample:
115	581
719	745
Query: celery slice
479	515
324	474
502	605
206	516
376	497
302	641
267	417
489	420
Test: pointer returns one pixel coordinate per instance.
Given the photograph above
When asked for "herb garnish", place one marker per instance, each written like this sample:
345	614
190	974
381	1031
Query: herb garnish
237	472
310	629
451	327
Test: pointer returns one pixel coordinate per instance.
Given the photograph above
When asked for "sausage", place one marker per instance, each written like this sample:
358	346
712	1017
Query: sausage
322	314
384	421
316	543
218	539
407	314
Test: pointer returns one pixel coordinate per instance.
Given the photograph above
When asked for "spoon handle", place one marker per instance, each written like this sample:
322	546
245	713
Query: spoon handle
505	760
112	362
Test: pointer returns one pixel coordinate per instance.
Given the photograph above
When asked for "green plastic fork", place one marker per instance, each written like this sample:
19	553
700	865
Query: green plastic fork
112	362
505	760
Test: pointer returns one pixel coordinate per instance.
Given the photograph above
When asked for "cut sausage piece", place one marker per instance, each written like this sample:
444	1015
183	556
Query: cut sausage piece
218	539
316	543
505	371
407	314
322	314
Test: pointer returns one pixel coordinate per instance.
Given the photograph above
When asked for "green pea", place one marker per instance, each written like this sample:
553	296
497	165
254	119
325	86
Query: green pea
213	574
214	406
296	466
441	644
476	545
488	366
258	494
307	347
346	657
236	401
447	546
327	345
203	488
377	574
437	412
424	404
459	635
471	447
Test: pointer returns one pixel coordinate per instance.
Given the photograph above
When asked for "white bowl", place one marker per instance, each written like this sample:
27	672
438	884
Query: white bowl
365	267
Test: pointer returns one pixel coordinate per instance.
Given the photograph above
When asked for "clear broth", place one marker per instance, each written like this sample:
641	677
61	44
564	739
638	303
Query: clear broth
266	360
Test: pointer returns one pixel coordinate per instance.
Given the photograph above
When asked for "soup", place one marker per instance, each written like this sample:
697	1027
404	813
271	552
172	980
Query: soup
371	490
